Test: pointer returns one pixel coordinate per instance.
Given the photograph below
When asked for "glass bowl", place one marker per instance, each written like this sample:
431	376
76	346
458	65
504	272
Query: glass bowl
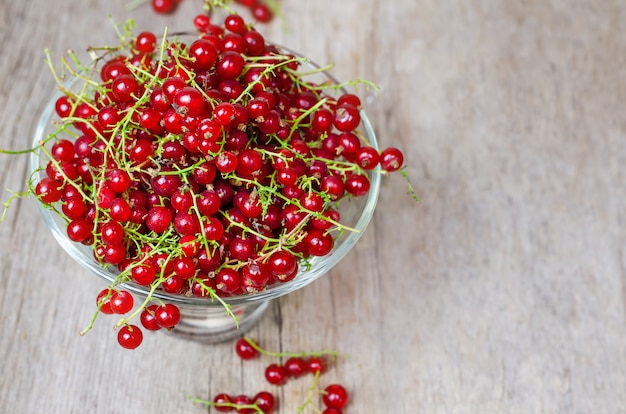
203	319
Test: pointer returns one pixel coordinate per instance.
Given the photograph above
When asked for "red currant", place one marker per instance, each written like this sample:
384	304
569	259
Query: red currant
129	336
244	349
335	396
276	374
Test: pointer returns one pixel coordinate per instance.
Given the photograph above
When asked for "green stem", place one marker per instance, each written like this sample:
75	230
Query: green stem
256	346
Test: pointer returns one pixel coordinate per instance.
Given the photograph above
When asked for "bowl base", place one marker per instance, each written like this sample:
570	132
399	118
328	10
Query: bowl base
213	325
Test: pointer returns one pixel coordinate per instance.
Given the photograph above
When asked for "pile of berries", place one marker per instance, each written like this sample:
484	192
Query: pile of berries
203	166
259	9
334	396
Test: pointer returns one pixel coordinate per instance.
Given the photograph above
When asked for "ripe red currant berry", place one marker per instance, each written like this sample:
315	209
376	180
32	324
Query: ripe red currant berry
167	316
145	42
129	336
112	233
73	207
202	22
143	274
173	284
48	190
255	43
276	374
148	318
163	6
159	219
295	367
224	113
63	150
235	23
358	185
350	99
391	159
244	349
122	302
283	265
230	65
203	54
335	396
228	280
265	401
319	242
125	88
367	158
262	13
223	403
346	118
103	301
63	106
243	401
189	101
118	180
316	364
80	229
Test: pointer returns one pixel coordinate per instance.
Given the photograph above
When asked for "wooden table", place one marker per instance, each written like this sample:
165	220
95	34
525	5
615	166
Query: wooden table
503	291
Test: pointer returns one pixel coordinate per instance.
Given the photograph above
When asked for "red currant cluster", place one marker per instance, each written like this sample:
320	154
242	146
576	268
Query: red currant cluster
259	9
334	396
206	167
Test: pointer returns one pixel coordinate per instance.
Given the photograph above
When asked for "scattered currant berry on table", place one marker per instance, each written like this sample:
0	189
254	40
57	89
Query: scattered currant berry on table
276	374
245	349
129	336
164	6
335	396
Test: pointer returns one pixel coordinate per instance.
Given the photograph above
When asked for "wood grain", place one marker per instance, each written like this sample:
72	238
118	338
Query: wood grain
503	291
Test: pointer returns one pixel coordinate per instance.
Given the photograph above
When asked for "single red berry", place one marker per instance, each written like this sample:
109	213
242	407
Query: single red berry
112	233
103	301
358	185
391	159
335	396
148	318
159	219
295	366
163	6
122	302
222	403
125	88
80	229
316	364
276	374
48	190
243	401
145	42
235	23
167	316
262	13
129	336
203	54
265	401
202	22
63	106
367	158
143	274
319	242
244	349
346	118
228	280
73	207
